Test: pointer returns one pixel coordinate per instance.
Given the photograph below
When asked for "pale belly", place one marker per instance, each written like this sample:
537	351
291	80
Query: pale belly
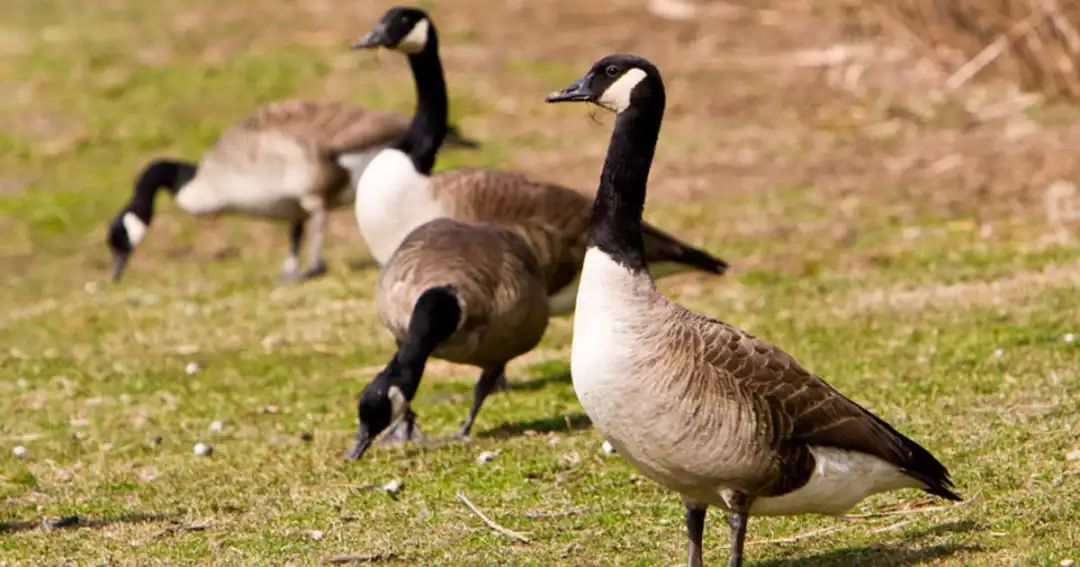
258	196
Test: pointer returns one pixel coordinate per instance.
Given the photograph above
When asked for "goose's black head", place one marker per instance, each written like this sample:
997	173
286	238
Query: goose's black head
125	231
129	227
403	29
381	404
615	82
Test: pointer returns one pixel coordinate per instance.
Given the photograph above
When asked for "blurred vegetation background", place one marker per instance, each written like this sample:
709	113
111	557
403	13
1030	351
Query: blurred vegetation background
895	184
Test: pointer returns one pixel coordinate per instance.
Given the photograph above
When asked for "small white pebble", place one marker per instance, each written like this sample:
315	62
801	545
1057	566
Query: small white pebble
393	487
217	426
1069	338
1067	563
1073	455
486	457
91	287
999	353
315	535
607	448
204	449
192	368
20	452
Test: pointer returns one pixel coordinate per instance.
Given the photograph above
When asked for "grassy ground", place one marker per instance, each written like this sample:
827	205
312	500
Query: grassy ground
890	238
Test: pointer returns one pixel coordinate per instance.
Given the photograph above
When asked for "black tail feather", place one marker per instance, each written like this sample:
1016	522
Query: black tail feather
702	260
944	493
924	466
662	247
455	139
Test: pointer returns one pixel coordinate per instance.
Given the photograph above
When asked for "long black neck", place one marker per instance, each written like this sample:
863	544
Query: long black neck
168	174
616	220
429	123
434	319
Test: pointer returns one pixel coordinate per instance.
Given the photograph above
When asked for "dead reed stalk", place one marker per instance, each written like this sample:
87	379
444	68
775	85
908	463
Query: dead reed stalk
1035	42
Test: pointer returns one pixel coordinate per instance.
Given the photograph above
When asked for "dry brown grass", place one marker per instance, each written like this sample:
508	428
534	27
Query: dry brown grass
1036	42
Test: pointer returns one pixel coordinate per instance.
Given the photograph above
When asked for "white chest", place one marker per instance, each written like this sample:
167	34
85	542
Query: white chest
392	199
603	355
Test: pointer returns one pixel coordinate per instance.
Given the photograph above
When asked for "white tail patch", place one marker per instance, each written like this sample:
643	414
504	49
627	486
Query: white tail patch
617	96
839	481
135	228
416	39
356	162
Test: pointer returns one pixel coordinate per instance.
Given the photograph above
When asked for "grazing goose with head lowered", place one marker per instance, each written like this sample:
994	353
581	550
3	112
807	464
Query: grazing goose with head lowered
462	292
702	407
398	192
292	160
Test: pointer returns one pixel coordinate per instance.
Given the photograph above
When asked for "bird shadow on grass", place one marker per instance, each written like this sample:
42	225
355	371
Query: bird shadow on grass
569	422
361	264
73	522
884	555
538	383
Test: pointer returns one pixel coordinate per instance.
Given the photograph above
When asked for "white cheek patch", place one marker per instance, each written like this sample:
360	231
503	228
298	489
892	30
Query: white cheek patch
416	39
617	96
398	403
135	227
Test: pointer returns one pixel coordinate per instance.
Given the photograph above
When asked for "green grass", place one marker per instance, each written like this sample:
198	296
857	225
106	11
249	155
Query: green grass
954	337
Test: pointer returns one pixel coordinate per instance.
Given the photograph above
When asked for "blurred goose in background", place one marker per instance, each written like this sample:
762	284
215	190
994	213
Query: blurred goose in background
397	192
698	405
467	293
292	161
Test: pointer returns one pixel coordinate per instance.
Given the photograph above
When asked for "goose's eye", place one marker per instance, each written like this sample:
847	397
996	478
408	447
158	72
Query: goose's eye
611	71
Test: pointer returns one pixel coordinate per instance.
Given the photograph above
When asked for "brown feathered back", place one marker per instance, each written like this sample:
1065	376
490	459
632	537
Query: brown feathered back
791	409
495	276
553	220
329	126
291	148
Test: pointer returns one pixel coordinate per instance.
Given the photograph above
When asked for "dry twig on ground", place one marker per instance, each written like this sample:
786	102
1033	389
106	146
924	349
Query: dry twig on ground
490	523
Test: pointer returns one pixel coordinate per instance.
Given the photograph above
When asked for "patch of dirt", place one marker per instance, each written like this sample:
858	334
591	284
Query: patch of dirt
762	95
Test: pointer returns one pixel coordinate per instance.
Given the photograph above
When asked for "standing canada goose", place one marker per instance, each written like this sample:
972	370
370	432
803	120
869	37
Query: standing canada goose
467	293
292	160
729	419
398	192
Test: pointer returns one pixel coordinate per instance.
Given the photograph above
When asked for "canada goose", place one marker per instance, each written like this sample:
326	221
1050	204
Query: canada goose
398	192
730	420
466	293
291	160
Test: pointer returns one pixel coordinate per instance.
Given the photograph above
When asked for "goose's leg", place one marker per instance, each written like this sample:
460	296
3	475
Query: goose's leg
405	430
695	527
738	518
316	229
291	264
488	379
